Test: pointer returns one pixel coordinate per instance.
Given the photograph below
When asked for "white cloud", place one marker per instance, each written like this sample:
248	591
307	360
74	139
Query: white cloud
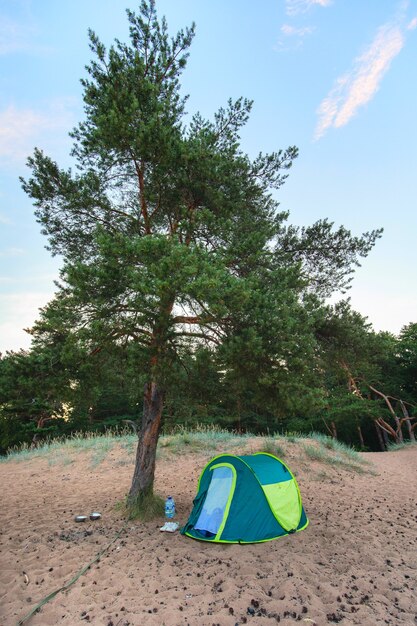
19	36
22	129
357	87
4	219
293	34
12	252
412	24
14	36
18	129
293	7
290	31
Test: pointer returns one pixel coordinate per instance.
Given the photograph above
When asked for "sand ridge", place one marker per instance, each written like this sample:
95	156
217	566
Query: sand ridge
356	563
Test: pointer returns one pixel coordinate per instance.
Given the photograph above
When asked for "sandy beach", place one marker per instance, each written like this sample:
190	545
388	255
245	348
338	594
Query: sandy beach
356	563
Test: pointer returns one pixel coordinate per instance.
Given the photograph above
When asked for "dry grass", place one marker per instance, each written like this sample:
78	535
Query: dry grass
206	441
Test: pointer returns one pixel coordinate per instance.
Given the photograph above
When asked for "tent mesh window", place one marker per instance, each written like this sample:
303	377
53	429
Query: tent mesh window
216	500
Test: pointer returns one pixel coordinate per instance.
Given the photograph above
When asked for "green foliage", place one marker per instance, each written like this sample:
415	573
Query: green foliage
328	257
407	360
32	396
162	217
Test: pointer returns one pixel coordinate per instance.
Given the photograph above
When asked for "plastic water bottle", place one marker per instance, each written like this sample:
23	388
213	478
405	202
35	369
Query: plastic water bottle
169	507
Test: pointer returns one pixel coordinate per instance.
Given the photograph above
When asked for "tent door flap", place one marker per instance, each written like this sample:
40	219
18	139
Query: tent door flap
218	499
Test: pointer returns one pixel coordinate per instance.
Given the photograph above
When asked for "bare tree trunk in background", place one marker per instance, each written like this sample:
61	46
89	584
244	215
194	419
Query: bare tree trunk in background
361	439
407	421
399	436
380	436
239	414
385	436
354	389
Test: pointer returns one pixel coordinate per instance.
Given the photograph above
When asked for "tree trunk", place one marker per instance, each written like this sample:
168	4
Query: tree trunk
385	437
143	477
333	430
239	415
361	436
407	421
399	436
380	437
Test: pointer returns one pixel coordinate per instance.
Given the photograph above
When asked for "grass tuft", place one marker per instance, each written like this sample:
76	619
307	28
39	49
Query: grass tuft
345	457
400	446
271	446
145	508
59	459
336	446
294	436
101	450
203	438
315	453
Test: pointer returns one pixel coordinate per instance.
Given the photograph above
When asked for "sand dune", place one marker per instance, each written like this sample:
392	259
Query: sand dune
356	563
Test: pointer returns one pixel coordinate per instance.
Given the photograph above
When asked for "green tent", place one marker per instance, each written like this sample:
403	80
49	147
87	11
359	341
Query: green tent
245	499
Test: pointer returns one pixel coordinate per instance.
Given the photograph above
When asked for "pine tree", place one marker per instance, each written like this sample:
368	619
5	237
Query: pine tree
167	231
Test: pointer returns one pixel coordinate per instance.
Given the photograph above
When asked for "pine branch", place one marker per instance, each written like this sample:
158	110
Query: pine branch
199	335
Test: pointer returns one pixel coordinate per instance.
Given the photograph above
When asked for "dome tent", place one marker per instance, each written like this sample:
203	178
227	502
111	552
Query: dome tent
245	499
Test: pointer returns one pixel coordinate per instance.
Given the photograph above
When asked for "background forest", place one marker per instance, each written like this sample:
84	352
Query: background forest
58	388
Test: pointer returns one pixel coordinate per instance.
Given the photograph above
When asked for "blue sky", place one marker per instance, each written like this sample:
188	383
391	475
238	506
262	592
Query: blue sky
334	77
